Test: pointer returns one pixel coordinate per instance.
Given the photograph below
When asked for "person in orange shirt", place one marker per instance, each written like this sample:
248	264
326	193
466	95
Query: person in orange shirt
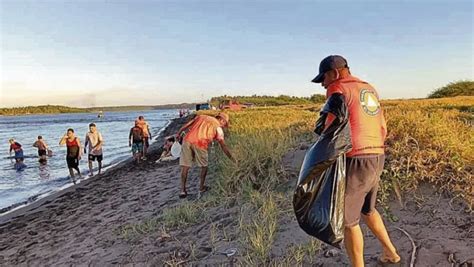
142	123
202	130
364	163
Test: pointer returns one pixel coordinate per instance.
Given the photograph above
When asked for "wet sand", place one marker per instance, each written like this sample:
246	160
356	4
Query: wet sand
81	225
78	226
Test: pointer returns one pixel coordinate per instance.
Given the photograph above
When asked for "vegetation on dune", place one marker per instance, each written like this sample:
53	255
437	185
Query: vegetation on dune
459	88
429	140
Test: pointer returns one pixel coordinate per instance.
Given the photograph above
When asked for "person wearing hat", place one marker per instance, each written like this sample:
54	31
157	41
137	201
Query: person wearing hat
201	131
364	163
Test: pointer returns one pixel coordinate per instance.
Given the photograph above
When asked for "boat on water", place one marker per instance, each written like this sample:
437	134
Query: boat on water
100	115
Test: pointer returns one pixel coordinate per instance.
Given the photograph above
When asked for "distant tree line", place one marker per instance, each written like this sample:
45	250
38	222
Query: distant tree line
265	100
254	99
45	109
55	109
458	88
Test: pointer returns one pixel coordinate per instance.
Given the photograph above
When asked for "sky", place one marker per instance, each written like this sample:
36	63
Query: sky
102	53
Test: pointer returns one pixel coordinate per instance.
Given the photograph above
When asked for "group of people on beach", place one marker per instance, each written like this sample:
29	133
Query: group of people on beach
139	138
364	163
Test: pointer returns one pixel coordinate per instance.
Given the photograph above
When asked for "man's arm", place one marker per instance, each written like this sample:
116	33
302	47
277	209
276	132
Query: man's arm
85	144
63	140
148	129
80	150
226	150
35	144
45	145
130	137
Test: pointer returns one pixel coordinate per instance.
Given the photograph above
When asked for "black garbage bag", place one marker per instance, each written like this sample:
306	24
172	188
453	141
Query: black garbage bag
319	196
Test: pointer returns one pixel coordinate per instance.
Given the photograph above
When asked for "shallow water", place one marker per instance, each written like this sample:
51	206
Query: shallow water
37	179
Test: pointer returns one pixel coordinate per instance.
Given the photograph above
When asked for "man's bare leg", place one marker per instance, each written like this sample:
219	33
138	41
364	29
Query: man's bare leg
100	167
71	173
354	242
90	168
184	178
375	223
203	178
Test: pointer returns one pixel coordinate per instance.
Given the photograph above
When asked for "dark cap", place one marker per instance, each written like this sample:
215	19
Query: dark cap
330	63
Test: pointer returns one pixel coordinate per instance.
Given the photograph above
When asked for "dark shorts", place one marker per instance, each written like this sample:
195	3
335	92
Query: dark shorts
146	142
41	152
72	163
362	182
95	157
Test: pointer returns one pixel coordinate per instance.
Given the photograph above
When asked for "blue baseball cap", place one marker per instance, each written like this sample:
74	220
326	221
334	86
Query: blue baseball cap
330	63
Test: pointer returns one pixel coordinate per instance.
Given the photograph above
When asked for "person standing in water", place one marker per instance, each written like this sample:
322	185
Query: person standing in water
42	147
146	134
73	154
16	147
94	141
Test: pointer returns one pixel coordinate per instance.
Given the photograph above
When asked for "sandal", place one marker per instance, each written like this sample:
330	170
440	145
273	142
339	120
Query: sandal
183	194
205	189
384	262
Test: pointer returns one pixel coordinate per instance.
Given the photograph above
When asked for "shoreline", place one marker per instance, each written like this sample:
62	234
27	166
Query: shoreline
36	201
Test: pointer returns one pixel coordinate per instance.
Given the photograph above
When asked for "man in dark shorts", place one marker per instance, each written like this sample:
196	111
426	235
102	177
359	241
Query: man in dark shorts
365	161
135	140
73	153
42	147
94	142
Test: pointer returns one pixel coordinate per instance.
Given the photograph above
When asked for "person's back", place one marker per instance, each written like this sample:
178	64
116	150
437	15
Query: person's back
40	144
366	117
203	131
137	134
135	140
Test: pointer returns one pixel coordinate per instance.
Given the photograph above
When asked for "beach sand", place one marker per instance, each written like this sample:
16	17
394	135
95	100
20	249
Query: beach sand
80	226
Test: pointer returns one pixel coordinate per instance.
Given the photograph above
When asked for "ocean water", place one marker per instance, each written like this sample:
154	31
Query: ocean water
39	180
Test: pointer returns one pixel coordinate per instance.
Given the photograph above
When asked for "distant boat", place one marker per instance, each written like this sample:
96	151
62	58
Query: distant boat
100	115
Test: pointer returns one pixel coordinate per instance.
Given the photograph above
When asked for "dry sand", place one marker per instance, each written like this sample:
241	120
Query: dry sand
80	226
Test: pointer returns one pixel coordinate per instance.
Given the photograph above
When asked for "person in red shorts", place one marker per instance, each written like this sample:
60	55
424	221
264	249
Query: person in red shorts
364	162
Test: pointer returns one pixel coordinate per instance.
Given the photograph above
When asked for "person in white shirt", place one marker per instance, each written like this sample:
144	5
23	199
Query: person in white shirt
94	144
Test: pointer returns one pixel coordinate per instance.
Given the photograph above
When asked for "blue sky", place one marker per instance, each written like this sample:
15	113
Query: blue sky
87	53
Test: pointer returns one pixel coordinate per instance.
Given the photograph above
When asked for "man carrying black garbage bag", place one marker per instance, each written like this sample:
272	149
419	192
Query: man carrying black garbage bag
364	163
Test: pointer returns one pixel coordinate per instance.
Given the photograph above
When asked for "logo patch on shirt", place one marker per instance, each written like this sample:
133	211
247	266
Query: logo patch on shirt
369	102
